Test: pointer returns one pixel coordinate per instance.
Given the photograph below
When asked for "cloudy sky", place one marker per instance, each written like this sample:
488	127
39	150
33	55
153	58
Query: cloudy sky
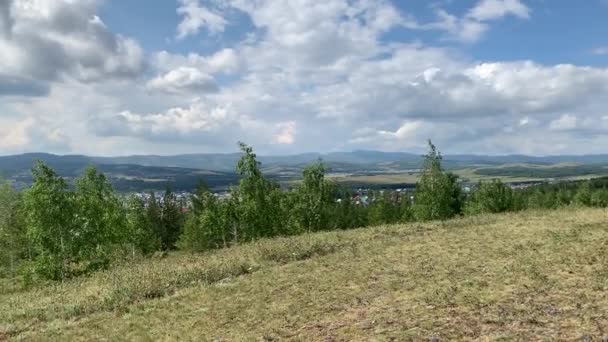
119	77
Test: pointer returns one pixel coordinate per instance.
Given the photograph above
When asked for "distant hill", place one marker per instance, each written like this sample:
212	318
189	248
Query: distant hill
125	177
139	172
343	160
227	161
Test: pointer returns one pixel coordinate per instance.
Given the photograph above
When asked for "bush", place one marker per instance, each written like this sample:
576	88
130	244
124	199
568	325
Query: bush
206	227
438	195
599	198
583	195
141	235
491	197
313	201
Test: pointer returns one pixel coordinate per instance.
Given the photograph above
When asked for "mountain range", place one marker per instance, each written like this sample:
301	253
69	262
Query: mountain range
218	169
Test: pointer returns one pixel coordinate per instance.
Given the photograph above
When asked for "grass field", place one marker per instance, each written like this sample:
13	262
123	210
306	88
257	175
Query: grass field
469	175
524	276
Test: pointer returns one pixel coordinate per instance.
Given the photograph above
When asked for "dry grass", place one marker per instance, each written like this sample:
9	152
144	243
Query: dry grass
527	276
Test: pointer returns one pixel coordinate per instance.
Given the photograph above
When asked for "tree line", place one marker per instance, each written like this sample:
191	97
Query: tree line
55	230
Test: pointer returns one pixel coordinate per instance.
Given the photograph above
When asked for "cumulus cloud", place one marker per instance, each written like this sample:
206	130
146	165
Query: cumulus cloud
287	133
46	40
199	123
322	65
183	79
195	17
310	75
318	33
473	25
496	9
28	133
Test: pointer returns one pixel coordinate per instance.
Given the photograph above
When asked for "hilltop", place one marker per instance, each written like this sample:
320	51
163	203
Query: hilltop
525	276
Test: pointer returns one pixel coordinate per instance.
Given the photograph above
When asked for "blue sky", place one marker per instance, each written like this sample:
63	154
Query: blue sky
562	31
180	76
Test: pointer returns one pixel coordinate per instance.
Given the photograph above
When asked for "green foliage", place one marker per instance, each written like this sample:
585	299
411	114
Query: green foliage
386	208
314	200
76	232
206	227
57	232
141	235
583	195
154	218
172	220
438	195
13	243
599	198
347	215
491	197
50	224
255	212
100	220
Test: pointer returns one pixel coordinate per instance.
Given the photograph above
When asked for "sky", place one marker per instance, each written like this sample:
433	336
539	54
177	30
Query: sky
121	77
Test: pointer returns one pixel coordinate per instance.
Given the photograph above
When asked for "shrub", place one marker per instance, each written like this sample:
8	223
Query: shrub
438	195
491	197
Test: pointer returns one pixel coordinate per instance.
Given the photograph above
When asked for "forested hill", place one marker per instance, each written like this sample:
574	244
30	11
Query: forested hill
227	161
183	172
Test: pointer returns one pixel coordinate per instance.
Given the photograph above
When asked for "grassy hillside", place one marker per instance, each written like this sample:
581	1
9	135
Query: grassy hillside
517	276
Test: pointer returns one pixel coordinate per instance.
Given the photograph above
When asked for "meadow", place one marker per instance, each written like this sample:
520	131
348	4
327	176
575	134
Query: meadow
529	275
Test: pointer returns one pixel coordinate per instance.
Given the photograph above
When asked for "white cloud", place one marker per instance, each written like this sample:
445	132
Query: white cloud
310	76
43	41
20	136
183	80
199	123
197	16
287	133
564	123
225	61
473	25
495	9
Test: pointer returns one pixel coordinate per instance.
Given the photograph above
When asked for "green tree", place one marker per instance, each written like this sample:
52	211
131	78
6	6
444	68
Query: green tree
599	198
256	216
438	195
140	228
101	221
172	220
314	200
491	197
205	228
542	198
154	218
405	203
584	194
50	224
347	214
199	197
385	208
13	243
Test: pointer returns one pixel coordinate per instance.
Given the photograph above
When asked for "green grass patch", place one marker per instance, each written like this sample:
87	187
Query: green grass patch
524	276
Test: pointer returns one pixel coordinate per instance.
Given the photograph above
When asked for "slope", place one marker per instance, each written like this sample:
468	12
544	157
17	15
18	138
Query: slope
523	276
